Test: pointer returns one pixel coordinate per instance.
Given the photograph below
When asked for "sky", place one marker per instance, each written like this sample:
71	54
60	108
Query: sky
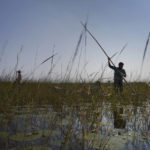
33	30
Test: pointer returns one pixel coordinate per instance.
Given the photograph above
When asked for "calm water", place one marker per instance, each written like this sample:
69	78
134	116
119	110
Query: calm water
87	126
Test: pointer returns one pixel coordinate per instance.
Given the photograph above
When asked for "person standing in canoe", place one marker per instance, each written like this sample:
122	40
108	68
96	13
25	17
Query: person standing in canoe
119	74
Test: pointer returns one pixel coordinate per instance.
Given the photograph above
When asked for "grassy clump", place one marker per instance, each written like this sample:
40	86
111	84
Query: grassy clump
41	93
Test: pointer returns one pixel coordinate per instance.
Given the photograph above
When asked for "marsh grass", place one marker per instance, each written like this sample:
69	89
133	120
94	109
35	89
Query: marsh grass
144	53
76	96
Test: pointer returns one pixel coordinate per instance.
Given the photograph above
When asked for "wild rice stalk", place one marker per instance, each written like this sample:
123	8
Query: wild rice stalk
67	136
78	67
85	37
52	60
41	64
3	50
17	62
51	57
144	54
83	69
123	48
75	53
71	62
53	66
35	59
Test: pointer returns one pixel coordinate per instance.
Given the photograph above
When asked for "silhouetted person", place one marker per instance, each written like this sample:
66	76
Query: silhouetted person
119	73
19	78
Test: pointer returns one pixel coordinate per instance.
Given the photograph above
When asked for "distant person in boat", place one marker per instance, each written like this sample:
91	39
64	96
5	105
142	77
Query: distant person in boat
119	73
19	78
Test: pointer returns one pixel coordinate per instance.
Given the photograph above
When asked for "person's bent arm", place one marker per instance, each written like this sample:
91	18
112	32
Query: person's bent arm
123	74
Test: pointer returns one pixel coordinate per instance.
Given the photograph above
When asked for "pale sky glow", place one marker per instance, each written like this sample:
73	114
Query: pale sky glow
43	25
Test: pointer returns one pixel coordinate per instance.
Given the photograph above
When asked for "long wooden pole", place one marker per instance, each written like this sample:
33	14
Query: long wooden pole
97	43
105	53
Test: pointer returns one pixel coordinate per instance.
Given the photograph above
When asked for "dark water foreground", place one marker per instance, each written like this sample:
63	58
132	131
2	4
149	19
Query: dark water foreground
84	126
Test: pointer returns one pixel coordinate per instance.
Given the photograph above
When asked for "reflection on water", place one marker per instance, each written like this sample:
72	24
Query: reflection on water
119	121
87	126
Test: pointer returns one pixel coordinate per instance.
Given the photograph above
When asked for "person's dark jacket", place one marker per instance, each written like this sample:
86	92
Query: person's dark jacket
117	73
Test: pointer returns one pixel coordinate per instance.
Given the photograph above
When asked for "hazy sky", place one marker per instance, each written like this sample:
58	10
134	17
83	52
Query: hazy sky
41	26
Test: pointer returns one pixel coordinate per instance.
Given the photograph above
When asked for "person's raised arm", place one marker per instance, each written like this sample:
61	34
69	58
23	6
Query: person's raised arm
110	66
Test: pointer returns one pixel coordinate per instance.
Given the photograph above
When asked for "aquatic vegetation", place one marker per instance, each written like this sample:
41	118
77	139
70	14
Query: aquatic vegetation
73	118
33	135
